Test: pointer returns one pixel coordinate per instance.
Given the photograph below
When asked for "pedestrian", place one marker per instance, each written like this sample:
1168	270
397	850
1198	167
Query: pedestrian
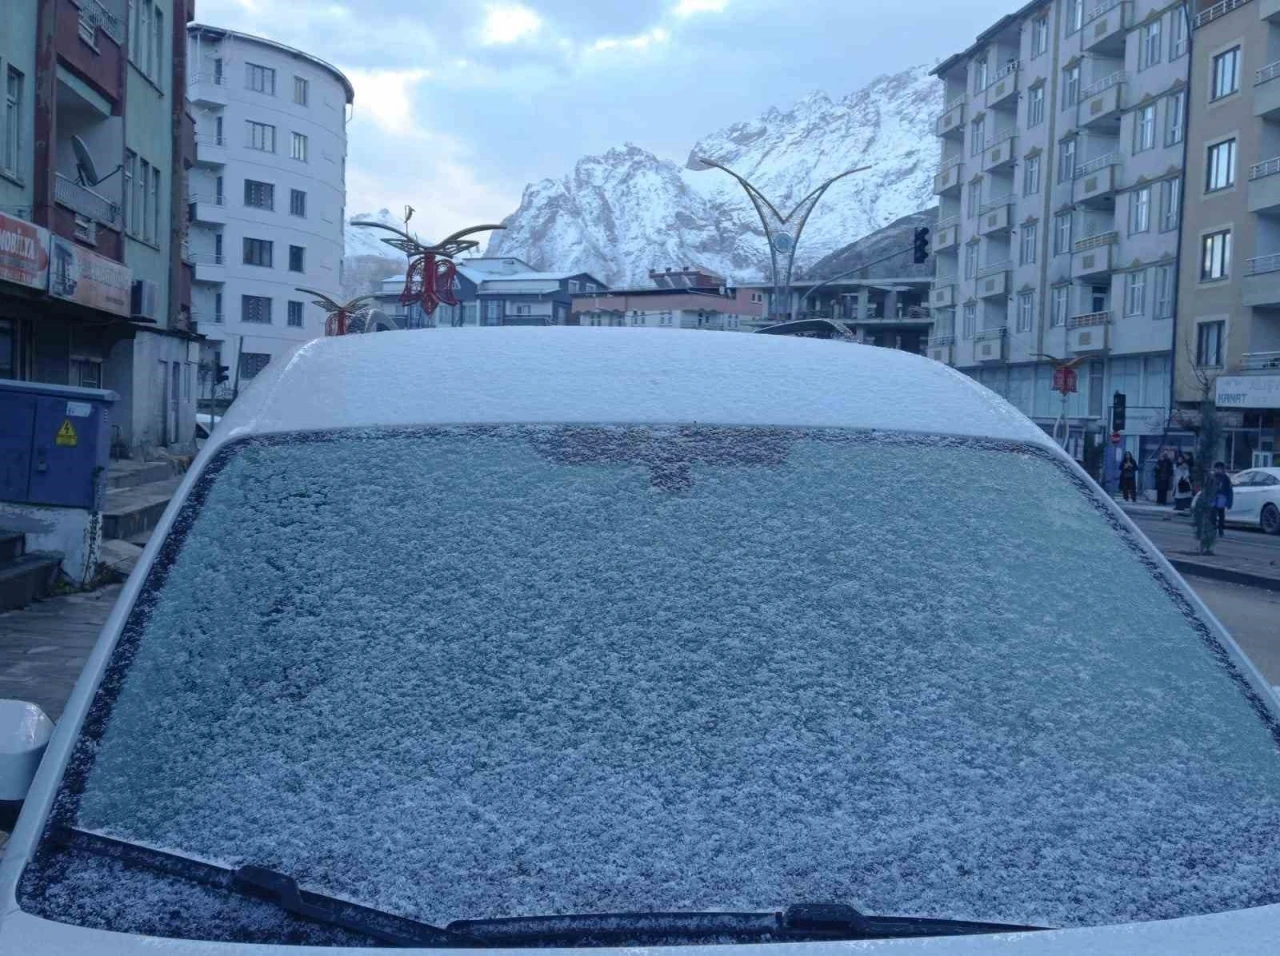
1129	477
1164	478
1223	494
1204	521
1181	484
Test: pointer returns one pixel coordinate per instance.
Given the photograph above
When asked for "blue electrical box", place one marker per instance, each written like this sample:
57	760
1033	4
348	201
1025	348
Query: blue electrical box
54	444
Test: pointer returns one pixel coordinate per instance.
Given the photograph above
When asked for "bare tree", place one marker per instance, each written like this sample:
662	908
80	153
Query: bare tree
1208	428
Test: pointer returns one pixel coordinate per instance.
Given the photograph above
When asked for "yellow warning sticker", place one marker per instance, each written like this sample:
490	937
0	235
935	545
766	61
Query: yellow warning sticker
67	435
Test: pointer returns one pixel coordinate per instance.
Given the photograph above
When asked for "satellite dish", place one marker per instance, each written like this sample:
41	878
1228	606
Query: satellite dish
84	162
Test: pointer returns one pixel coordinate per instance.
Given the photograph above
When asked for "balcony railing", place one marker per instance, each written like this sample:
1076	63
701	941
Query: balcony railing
1268	72
996	203
1215	11
951	163
944	279
1088	319
1093	242
946	338
1094	165
210	139
1104	84
987	335
995	139
1259	361
1101	10
211	200
1268	167
1260	264
946	223
94	17
958	101
1008	69
213	79
995	268
84	201
208	259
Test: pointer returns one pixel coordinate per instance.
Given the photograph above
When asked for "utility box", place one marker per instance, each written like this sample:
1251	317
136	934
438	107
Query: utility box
54	444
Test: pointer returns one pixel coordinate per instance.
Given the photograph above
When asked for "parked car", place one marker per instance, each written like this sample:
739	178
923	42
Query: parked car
492	638
1257	499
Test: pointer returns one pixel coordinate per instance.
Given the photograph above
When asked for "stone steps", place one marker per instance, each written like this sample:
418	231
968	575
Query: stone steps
24	577
135	510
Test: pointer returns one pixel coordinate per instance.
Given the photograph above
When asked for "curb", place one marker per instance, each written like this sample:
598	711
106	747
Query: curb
1201	569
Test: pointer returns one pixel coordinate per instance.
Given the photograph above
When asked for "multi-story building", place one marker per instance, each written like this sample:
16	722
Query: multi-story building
1229	292
679	298
891	312
1060	189
94	129
267	195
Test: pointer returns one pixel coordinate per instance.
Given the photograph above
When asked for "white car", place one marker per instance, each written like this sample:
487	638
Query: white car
1256	495
614	638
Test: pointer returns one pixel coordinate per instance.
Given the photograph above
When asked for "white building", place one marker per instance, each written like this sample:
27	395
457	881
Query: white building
267	194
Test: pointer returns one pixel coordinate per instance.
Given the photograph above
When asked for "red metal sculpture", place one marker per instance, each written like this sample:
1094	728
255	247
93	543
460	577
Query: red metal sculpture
339	314
430	278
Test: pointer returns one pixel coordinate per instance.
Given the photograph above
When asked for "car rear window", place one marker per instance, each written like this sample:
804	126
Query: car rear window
479	672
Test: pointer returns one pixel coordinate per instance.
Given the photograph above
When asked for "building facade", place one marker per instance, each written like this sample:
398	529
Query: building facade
1060	191
891	312
267	195
93	132
679	298
1228	349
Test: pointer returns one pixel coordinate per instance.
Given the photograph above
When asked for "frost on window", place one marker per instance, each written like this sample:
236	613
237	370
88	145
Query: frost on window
488	672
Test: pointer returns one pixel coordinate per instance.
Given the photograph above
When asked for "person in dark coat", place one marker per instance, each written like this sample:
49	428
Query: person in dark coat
1164	478
1181	485
1129	477
1224	495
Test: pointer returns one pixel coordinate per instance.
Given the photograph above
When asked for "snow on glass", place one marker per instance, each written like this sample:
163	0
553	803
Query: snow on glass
493	672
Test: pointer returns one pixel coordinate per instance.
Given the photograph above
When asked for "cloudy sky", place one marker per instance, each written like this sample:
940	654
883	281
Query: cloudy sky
460	104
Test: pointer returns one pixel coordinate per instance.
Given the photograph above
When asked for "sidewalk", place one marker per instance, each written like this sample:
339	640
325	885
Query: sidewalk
1242	556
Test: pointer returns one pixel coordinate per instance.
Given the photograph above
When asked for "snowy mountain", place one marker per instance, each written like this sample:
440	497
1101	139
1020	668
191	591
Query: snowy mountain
621	213
368	242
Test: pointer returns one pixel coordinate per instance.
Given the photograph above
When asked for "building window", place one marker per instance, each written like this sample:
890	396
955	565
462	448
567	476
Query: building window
1144	128
11	158
1026	310
975	198
1067	160
251	363
977	135
1135	292
1178	37
1215	255
1209	344
1030	232
1031	176
255	308
1170	204
298	148
258	252
297	203
1070	86
147	217
1035	106
260	79
971	260
1075	15
154	229
301	91
979	74
1140	210
1220	166
523	310
130	174
969	321
1039	35
146	38
1164	291
297	259
1226	74
259	195
1058	306
1150	45
217	307
1174	120
1061	233
260	136
295	315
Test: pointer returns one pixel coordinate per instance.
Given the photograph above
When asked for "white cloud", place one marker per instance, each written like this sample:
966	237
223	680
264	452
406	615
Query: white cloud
507	23
386	96
640	41
687	8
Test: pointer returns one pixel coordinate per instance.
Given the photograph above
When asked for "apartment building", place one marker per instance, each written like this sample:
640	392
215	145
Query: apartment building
683	298
267	195
1229	294
92	289
1060	188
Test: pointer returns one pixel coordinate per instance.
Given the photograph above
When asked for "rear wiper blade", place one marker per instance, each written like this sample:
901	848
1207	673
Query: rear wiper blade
257	882
803	921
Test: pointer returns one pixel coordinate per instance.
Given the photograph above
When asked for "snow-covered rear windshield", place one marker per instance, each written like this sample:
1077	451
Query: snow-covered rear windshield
477	672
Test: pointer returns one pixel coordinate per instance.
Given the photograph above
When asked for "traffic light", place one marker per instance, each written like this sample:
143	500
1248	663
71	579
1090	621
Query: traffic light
920	245
220	374
1117	412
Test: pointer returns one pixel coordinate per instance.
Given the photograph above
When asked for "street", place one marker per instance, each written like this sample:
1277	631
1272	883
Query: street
1173	535
1252	615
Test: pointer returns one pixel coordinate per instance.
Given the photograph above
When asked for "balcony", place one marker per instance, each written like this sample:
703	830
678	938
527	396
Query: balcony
946	234
1094	261
1264	186
951	123
203	317
1095	182
210	210
1261	283
211	150
1266	92
988	344
947	182
208	89
941	348
1003	89
1260	362
210	267
1212	13
1087	334
993	280
1101	103
996	216
1104	28
943	294
1269	10
85	202
999	153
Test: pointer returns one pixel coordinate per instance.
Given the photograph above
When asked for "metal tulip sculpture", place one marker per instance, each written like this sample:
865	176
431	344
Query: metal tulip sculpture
429	280
339	314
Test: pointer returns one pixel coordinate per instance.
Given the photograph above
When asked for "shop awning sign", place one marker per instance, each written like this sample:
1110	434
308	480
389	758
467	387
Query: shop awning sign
1248	391
24	252
79	275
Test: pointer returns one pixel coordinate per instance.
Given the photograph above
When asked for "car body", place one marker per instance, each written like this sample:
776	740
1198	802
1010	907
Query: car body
504	623
1256	494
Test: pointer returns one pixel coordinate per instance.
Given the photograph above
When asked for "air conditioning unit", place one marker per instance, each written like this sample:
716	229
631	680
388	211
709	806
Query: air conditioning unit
145	300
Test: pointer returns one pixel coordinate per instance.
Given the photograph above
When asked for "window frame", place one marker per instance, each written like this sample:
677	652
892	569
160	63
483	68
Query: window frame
1215	168
1026	311
1215	255
1140	210
1063	229
1135	293
294	306
1144	128
1035	106
1211	335
254	251
1218	76
1163	290
252	129
259	78
1028	242
14	86
300	254
295	205
1151	43
1175	118
1070	81
1031	175
253	187
1170	204
1060	305
301	91
256	301
297	140
1066	171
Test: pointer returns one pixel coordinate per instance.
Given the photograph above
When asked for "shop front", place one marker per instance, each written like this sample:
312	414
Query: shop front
1249	406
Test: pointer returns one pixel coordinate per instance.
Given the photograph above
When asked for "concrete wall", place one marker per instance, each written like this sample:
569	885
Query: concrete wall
18	50
75	532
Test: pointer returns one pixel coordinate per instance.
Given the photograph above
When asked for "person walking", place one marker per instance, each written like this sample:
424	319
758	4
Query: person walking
1129	477
1181	484
1204	521
1223	494
1164	478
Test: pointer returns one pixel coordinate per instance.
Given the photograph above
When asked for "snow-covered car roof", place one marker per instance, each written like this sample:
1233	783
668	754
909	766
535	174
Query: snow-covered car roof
537	375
